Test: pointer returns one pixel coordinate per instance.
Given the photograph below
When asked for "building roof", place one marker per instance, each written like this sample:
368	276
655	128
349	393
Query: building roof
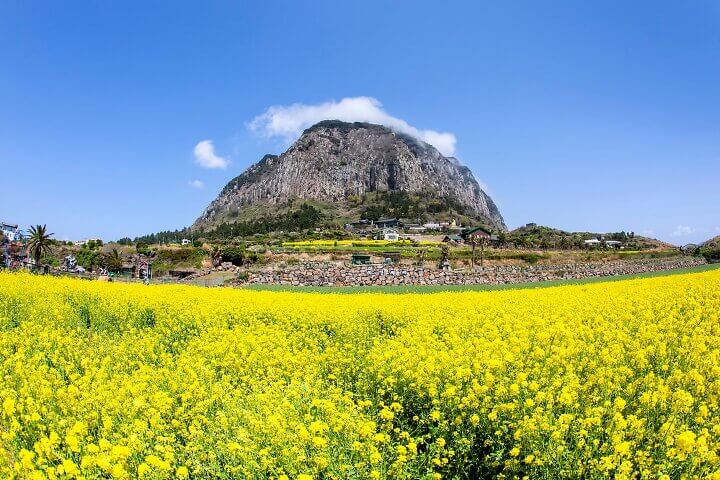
455	238
476	231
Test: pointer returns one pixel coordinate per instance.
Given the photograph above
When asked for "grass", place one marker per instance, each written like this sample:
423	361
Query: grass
509	286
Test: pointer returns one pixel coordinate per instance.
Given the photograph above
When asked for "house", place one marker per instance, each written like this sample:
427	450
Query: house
10	231
363	223
456	239
185	241
391	235
415	228
593	242
476	233
431	226
80	243
613	243
387	223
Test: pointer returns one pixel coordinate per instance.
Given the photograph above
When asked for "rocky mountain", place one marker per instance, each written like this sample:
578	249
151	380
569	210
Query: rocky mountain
351	170
713	242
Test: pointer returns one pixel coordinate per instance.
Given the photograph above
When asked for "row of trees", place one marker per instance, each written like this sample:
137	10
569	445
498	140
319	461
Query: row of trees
306	217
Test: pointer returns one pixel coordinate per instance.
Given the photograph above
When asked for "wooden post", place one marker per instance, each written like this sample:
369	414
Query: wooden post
472	257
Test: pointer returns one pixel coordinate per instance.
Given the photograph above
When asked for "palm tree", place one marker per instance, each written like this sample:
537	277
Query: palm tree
40	242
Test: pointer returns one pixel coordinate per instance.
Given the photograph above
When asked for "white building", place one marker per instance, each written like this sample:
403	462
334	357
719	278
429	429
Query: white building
391	235
10	231
185	241
593	242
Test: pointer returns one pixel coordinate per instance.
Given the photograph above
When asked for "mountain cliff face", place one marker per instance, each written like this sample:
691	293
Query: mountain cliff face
335	163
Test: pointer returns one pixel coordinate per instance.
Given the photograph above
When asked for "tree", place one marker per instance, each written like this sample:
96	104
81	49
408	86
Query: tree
40	242
142	248
482	241
114	260
502	238
216	254
88	259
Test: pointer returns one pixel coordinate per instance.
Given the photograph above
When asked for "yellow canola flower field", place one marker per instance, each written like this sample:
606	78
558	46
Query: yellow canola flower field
617	379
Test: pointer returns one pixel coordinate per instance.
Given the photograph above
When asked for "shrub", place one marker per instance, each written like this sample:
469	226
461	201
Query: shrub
711	254
235	255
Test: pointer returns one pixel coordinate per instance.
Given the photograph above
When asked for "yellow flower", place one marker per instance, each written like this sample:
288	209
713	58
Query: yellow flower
98	378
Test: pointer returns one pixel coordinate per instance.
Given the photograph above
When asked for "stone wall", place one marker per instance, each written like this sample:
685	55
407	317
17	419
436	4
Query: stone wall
359	275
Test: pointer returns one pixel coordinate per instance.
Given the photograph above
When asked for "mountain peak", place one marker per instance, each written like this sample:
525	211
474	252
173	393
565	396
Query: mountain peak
333	162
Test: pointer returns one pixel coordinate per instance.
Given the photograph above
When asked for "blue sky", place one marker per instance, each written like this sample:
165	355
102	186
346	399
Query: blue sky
596	116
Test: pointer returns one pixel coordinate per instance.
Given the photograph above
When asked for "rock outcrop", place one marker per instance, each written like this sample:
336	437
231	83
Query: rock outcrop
337	163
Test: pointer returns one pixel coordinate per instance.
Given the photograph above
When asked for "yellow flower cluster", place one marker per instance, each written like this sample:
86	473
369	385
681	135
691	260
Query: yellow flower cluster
616	379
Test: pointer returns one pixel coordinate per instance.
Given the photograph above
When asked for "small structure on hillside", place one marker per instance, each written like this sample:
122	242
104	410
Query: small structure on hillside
391	257
185	241
593	242
452	239
387	223
360	259
391	235
415	228
361	224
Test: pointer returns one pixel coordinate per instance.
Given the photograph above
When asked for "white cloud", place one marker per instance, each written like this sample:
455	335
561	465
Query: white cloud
289	121
199	184
205	156
683	231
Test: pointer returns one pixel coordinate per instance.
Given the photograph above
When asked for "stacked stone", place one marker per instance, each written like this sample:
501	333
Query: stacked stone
368	275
